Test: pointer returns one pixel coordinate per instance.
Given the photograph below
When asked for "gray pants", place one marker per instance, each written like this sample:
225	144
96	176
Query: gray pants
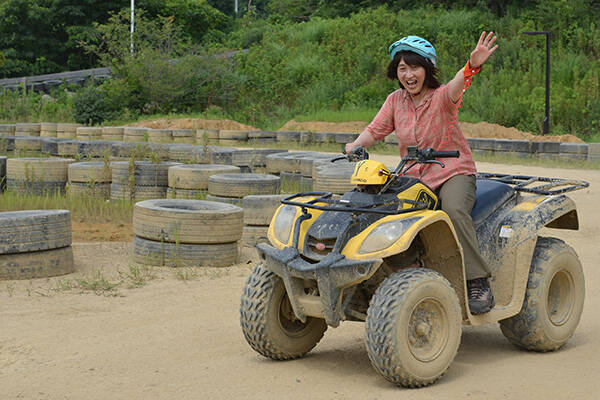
457	195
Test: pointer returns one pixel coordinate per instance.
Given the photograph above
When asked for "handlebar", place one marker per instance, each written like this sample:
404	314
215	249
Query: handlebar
358	154
427	155
430	154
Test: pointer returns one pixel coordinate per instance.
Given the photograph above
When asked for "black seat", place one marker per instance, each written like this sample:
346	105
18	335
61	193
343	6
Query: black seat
489	196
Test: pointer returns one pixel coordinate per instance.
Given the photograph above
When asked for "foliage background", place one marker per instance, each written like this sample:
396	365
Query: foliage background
304	57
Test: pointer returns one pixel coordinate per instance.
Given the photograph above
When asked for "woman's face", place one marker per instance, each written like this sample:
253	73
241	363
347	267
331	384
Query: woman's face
412	77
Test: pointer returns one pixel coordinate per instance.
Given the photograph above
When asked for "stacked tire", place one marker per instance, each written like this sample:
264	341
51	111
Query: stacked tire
134	135
28	146
37	176
258	212
163	136
232	137
89	179
186	233
139	180
35	244
27	130
184	136
207	136
231	188
251	159
190	181
307	166
48	129
89	133
7	130
66	131
289	168
184	152
112	133
2	173
333	177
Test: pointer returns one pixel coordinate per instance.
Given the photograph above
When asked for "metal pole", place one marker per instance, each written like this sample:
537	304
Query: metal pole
546	123
236	6
546	128
132	26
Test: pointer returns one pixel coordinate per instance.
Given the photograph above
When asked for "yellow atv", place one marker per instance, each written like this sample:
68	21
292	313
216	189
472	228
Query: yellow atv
384	253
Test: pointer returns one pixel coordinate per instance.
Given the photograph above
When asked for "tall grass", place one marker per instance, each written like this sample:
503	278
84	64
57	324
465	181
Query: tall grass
28	106
82	208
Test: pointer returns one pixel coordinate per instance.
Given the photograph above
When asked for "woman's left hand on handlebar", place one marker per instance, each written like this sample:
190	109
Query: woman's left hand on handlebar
350	147
483	50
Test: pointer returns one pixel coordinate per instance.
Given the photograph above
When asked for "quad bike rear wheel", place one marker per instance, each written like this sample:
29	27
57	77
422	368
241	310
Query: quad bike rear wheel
413	327
553	300
269	323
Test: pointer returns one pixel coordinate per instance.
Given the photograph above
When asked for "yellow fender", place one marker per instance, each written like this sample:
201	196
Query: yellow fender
443	252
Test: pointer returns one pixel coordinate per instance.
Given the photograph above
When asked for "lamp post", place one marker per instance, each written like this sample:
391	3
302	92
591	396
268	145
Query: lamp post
132	27
546	127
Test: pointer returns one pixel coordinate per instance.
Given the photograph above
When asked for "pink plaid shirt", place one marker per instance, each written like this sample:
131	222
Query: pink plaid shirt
432	124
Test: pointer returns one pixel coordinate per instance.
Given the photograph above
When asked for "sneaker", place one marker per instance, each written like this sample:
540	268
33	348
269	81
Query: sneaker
481	299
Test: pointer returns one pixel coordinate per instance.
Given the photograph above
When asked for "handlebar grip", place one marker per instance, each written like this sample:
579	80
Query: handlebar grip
445	154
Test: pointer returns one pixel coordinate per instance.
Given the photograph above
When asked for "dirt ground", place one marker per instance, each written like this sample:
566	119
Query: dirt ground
193	123
478	130
178	337
101	232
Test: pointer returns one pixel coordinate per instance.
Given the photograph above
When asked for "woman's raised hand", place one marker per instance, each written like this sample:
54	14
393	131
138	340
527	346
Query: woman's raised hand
483	50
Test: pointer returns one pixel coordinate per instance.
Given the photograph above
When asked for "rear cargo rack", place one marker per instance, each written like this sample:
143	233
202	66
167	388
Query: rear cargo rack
537	184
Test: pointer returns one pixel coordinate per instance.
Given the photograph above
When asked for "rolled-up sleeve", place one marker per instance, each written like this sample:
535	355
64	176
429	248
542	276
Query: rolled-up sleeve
383	123
445	100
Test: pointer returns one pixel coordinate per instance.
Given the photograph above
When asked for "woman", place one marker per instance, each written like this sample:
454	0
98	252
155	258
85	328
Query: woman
424	113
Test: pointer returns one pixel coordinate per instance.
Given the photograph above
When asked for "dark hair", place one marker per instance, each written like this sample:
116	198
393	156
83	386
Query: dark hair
413	59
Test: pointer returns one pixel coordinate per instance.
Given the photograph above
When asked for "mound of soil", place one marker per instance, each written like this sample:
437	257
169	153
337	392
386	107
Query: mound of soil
194	123
319	126
478	130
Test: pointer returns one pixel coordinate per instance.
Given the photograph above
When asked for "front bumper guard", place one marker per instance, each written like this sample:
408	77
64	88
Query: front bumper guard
333	274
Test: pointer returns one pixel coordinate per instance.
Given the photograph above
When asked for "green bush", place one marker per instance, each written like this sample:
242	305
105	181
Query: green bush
92	106
28	106
340	64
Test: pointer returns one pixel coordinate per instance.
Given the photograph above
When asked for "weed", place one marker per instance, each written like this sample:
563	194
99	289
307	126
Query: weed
137	275
98	283
10	289
186	273
290	186
82	208
63	285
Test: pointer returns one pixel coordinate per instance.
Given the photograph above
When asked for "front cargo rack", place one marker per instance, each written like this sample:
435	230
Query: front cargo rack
537	184
344	206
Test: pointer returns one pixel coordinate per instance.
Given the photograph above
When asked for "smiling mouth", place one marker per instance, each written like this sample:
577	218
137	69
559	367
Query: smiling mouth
411	84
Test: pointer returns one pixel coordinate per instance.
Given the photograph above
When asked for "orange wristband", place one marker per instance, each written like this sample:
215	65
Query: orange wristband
468	72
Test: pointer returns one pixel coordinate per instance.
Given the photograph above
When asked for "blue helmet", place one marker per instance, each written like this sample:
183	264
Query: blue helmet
415	44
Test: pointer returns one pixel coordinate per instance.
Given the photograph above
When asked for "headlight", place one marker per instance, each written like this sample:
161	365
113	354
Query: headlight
284	222
386	234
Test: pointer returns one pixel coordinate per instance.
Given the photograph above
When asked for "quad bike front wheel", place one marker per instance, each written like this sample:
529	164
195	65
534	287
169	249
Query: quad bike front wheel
269	323
413	327
553	300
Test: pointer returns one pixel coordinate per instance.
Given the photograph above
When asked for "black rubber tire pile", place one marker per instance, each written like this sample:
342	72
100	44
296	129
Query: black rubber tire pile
35	244
190	181
139	180
186	233
37	175
258	212
231	188
89	179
